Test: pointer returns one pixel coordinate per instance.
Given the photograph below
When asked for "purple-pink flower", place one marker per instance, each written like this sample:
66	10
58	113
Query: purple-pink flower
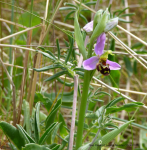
100	62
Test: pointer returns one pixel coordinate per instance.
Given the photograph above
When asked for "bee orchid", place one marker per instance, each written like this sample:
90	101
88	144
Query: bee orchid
101	62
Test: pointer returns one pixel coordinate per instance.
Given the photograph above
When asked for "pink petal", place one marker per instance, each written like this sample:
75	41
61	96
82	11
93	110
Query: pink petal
90	63
113	65
88	27
100	44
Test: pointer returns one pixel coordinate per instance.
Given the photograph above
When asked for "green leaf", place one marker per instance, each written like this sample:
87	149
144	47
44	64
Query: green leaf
64	142
37	122
135	67
62	128
124	144
48	67
56	147
111	135
97	100
50	119
47	133
134	124
51	146
91	116
128	66
90	3
55	131
66	83
143	139
47	51
70	50
32	146
80	73
127	107
100	114
70	4
121	11
79	69
58	74
66	98
106	138
137	45
112	47
58	48
68	15
84	18
129	14
26	110
125	21
12	133
102	92
114	101
46	54
25	134
79	37
67	8
45	100
110	125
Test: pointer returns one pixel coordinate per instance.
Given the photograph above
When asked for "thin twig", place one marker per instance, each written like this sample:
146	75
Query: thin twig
94	84
116	91
14	93
20	32
33	50
94	139
13	23
73	113
134	36
127	48
24	76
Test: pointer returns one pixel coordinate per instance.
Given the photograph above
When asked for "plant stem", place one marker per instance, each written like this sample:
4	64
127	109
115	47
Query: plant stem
87	79
90	49
82	109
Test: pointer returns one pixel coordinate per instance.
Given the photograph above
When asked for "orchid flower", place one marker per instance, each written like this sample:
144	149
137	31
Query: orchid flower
101	62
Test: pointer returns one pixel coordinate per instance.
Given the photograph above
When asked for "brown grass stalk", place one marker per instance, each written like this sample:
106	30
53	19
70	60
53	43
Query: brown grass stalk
20	32
42	37
29	37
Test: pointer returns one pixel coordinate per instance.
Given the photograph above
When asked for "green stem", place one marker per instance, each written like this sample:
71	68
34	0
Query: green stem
87	79
90	49
82	109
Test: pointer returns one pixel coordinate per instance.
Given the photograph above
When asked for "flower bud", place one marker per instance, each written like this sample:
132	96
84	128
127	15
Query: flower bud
88	27
97	18
99	29
111	24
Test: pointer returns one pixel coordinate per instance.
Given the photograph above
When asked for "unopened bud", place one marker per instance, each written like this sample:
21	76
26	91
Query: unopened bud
97	18
111	24
99	29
